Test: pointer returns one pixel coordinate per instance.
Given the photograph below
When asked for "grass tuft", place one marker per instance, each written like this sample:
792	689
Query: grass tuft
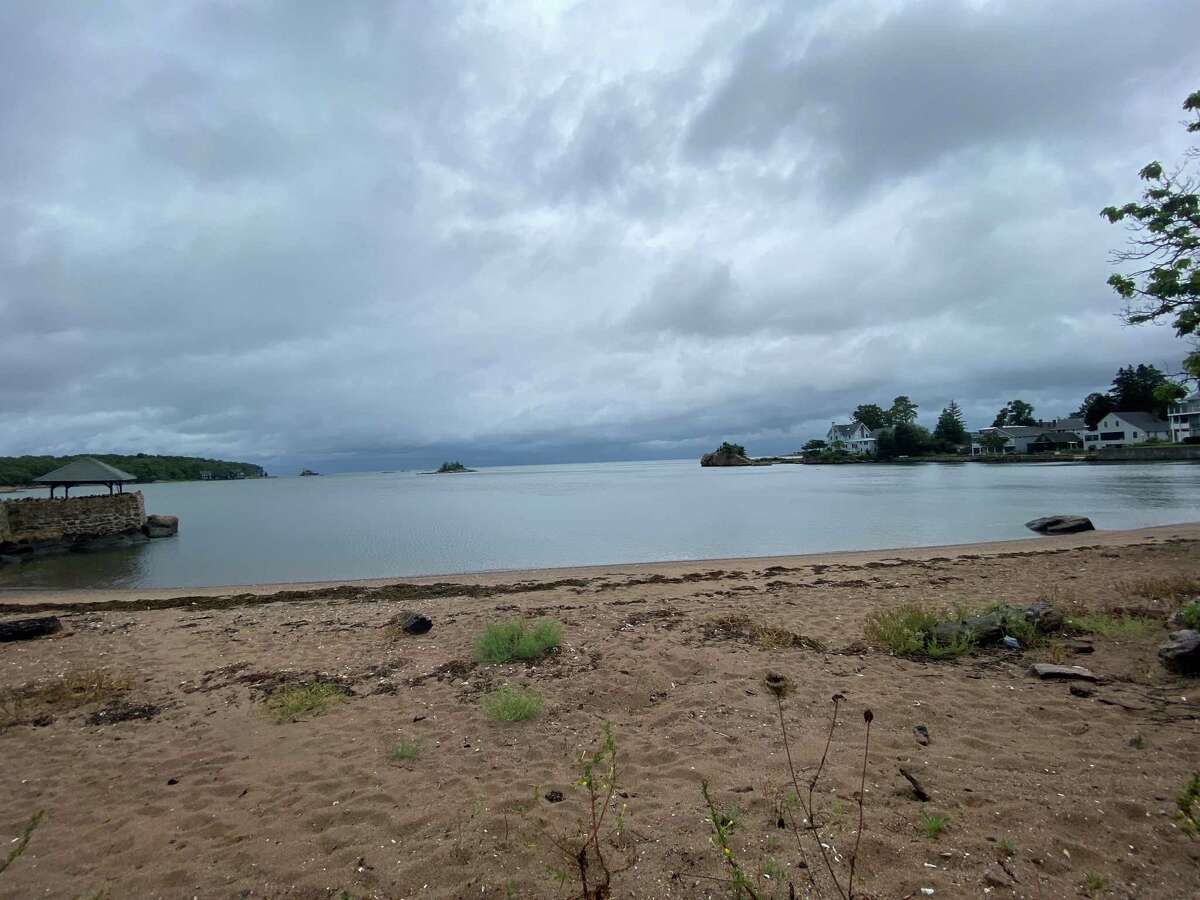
1094	883
909	630
1118	626
405	751
513	704
79	687
289	702
515	639
933	824
1188	806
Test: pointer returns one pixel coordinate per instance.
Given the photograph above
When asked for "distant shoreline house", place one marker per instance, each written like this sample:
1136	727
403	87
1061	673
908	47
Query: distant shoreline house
1183	419
855	438
1118	429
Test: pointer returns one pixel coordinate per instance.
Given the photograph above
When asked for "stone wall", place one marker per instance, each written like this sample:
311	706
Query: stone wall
1148	453
43	519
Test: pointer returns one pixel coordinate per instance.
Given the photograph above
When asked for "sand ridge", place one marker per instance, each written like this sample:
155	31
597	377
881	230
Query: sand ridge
211	797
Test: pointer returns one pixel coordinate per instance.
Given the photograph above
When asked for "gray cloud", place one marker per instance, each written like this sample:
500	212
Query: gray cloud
384	231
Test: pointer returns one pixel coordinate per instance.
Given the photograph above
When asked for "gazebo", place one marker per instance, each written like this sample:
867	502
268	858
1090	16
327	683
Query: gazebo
85	471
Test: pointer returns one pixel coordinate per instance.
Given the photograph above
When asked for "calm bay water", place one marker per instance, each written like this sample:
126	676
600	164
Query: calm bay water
375	525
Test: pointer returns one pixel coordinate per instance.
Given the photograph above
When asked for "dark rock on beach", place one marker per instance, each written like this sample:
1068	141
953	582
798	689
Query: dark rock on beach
411	622
991	627
27	629
1060	524
1181	652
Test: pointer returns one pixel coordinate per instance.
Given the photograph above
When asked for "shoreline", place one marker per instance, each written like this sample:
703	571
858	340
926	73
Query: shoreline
1033	545
182	774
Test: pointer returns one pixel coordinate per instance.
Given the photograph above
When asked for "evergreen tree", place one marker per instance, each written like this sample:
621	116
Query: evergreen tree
950	427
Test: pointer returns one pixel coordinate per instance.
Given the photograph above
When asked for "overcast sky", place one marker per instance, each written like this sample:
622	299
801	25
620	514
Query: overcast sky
371	235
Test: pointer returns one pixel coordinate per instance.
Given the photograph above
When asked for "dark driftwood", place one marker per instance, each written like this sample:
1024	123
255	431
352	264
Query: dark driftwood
26	629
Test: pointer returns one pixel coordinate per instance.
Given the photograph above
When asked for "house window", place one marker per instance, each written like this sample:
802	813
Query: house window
1112	435
1091	437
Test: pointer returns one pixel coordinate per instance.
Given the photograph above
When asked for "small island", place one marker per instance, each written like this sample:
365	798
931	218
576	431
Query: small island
449	468
730	455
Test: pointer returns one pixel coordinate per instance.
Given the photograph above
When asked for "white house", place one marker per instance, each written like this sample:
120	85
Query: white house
1121	429
1183	418
854	438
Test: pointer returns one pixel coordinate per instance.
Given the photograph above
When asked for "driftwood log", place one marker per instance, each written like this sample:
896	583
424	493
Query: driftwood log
27	629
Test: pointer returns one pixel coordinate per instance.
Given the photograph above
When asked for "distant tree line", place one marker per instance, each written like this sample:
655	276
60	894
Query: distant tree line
143	466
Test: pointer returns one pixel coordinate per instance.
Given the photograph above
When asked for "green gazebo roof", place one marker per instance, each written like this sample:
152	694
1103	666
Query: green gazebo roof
85	471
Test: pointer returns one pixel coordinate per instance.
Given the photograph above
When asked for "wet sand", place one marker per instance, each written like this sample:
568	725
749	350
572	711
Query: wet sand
209	796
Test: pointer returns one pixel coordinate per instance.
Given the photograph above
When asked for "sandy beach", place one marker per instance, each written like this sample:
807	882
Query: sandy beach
173	777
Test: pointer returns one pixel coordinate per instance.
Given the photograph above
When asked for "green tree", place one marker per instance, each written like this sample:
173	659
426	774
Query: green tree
1015	412
903	411
950	427
1095	406
1166	225
815	444
872	415
903	439
1134	389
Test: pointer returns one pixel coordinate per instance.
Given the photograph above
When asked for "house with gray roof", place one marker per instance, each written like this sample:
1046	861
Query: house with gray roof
853	438
1124	429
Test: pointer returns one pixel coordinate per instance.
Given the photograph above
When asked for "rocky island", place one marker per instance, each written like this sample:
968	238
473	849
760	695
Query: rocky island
449	468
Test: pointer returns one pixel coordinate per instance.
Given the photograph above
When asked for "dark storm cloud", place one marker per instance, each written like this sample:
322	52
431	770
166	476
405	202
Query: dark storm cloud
378	232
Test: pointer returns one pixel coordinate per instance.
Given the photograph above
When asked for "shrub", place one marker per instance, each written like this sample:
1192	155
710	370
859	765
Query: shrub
1189	615
289	702
933	824
505	641
513	704
404	751
909	630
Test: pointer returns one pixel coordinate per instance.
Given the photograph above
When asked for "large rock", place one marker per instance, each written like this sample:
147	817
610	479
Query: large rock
161	526
1050	670
27	629
1060	524
1181	652
411	622
991	627
1044	617
726	455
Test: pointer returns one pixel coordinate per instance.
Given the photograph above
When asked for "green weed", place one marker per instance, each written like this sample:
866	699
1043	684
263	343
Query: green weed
1189	615
909	630
515	639
404	751
1188	806
1094	883
933	824
513	704
289	702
